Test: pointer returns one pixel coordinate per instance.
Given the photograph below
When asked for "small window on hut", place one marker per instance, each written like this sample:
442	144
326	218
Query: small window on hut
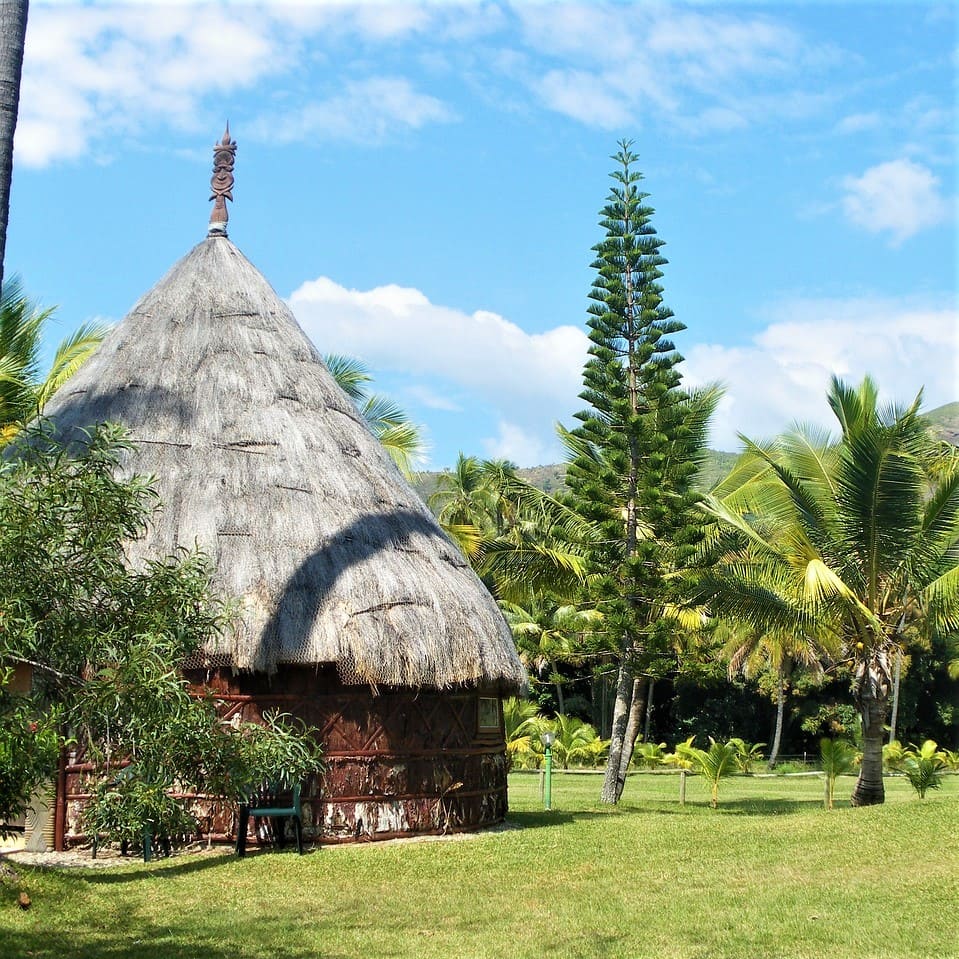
489	713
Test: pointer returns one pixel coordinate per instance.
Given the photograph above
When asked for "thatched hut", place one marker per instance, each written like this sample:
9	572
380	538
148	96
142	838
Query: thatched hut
356	611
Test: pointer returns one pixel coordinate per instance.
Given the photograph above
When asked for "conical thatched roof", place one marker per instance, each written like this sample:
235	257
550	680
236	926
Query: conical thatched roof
262	461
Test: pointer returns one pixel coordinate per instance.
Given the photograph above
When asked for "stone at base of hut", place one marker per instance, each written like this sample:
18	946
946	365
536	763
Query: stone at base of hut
23	901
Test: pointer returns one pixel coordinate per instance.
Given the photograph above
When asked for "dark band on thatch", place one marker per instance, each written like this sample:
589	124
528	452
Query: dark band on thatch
262	461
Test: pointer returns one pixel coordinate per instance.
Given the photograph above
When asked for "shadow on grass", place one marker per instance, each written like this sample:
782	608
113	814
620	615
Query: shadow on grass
732	807
138	938
542	818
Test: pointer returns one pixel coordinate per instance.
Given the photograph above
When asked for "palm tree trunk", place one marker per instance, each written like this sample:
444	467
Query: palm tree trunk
869	790
780	712
649	708
636	710
13	30
895	697
613	783
560	702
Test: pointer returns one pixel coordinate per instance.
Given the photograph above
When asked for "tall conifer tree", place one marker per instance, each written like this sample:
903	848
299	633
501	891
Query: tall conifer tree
636	450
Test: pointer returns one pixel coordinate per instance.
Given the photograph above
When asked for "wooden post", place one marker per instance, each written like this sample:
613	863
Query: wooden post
60	804
682	787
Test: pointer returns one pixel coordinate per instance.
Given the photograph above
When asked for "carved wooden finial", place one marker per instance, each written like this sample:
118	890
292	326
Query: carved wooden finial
224	154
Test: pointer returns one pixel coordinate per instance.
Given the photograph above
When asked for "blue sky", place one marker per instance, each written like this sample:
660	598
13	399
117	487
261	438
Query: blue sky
422	183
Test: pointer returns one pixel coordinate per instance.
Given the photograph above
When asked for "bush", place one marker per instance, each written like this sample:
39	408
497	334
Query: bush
921	765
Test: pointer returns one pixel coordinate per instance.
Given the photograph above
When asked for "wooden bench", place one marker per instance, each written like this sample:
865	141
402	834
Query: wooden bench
265	805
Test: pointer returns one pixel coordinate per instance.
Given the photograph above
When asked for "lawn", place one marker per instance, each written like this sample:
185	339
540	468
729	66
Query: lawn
769	873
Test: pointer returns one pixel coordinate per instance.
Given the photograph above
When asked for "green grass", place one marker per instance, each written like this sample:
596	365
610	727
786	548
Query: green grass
770	873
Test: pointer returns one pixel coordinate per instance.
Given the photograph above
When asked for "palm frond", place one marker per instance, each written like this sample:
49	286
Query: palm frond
350	375
71	354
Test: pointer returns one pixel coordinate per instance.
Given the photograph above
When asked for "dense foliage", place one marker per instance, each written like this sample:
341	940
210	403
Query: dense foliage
104	640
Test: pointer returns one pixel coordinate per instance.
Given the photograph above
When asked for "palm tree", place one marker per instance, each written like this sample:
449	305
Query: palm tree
576	742
855	543
836	757
13	31
387	422
462	504
547	634
24	389
780	652
713	764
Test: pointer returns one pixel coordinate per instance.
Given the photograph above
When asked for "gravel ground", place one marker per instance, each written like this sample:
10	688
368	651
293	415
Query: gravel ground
81	859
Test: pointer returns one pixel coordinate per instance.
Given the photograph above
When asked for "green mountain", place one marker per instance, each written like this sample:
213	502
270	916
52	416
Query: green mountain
551	478
944	420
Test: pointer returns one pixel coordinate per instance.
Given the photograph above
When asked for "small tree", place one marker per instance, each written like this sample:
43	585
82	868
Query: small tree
837	757
747	754
713	764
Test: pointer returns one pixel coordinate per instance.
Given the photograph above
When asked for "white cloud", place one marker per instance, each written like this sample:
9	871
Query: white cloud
783	374
900	197
519	445
477	361
93	71
103	70
614	63
367	111
858	122
431	399
584	97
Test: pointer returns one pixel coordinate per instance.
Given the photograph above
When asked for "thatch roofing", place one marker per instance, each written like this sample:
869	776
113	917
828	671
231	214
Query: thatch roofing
262	461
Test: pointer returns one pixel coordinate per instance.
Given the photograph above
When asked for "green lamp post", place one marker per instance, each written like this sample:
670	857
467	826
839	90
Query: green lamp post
548	739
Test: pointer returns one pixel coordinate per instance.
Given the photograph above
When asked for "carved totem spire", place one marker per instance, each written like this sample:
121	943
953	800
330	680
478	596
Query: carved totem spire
224	154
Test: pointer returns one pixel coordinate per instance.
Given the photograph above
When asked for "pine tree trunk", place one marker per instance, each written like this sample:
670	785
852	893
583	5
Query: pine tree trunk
612	786
778	735
13	29
637	709
869	790
649	708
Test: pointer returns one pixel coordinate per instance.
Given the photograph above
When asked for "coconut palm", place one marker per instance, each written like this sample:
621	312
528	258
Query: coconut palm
388	423
24	388
837	757
713	764
855	543
13	30
780	652
576	743
545	547
548	633
523	726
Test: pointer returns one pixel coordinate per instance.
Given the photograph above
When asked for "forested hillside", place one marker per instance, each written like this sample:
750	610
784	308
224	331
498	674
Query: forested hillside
551	478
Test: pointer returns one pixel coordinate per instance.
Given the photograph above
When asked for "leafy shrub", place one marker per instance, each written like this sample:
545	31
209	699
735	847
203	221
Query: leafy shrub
649	755
746	754
680	757
922	766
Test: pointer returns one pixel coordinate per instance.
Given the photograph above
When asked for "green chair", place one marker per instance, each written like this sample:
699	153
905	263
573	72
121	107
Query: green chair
265	804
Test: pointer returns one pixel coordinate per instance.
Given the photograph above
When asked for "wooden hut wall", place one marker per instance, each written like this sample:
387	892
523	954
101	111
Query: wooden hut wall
399	762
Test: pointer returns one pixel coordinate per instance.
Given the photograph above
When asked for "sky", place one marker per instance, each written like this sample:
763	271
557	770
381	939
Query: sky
421	182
